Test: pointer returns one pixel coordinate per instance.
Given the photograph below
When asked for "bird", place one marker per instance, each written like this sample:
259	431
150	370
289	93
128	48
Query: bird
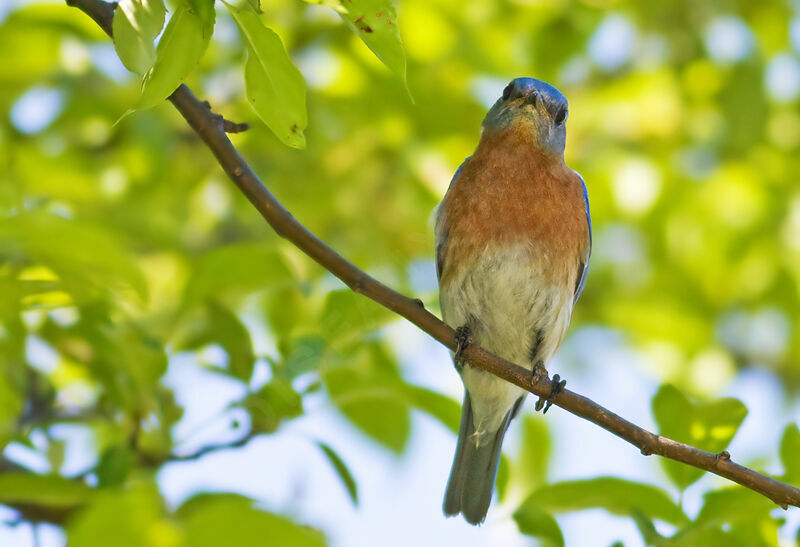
513	238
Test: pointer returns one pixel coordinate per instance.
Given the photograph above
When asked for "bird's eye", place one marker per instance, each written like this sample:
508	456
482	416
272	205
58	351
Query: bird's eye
507	91
561	116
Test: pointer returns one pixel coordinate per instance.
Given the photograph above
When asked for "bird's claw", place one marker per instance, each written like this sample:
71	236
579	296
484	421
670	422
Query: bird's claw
463	340
556	387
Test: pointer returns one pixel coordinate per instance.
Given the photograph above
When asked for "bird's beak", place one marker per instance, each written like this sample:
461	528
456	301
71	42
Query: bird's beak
532	98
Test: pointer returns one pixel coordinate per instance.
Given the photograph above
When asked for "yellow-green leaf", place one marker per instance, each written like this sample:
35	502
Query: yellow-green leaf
182	45
705	425
333	4
375	22
136	24
45	490
275	88
84	256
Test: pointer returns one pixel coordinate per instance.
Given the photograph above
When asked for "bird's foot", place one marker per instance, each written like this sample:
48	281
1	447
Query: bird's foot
556	387
463	340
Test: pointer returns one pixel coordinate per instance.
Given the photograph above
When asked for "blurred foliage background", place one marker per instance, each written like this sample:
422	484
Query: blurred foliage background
123	249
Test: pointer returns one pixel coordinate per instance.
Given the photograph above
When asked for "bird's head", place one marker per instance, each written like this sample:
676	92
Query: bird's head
534	107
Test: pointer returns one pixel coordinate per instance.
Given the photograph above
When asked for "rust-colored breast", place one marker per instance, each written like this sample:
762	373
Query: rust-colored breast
508	193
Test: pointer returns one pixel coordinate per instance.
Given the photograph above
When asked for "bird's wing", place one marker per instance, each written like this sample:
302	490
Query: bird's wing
583	267
443	233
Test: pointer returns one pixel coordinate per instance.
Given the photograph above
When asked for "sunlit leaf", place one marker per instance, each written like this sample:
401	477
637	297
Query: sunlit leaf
136	24
709	426
341	469
375	22
275	88
180	48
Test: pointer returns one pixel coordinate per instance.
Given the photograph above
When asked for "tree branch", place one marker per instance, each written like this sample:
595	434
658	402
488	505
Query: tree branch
209	128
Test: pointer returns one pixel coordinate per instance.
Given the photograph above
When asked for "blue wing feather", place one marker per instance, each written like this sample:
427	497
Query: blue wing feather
584	262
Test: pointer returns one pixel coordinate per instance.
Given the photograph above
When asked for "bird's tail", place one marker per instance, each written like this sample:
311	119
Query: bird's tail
469	488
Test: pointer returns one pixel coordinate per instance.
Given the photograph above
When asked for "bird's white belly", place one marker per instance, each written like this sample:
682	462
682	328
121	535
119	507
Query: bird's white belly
510	309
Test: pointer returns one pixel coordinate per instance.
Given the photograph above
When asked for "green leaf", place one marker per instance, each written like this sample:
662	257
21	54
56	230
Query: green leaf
341	469
305	356
530	468
790	452
275	88
238	269
217	324
271	404
12	403
114	465
375	22
124	518
648	530
136	24
732	504
709	426
333	4
179	51
369	391
127	360
46	490
534	521
503	477
287	309
56	452
211	520
439	406
348	316
617	496
87	258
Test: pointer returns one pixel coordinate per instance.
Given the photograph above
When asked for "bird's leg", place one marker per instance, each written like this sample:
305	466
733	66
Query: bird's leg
463	339
556	386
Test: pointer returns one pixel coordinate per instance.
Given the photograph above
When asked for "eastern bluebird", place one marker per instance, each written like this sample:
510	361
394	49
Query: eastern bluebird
513	239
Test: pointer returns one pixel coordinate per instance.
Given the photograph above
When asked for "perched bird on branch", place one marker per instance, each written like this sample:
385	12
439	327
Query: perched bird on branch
513	239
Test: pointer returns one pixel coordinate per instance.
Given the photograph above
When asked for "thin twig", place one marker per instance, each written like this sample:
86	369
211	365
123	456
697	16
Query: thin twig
210	449
205	124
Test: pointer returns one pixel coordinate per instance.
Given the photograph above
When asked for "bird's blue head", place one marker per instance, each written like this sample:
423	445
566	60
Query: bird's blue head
532	105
